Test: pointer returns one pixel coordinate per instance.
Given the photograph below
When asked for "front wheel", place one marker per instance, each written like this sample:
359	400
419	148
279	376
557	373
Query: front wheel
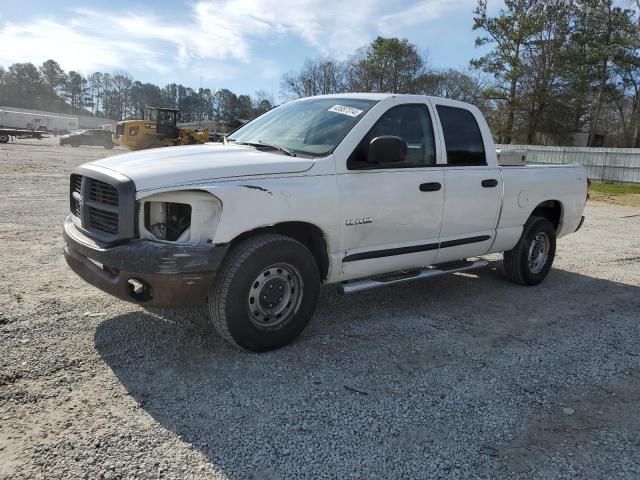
530	260
4	138
265	293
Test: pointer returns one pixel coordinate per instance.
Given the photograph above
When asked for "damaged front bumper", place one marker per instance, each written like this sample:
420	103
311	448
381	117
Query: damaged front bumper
143	271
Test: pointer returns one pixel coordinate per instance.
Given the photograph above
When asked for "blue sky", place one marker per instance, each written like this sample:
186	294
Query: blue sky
243	45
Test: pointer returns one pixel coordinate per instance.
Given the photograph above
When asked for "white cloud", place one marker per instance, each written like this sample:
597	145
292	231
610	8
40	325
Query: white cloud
422	12
43	39
219	32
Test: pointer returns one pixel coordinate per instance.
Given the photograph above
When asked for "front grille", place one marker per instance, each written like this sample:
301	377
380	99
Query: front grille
76	187
76	182
102	198
103	220
102	192
75	207
104	205
120	129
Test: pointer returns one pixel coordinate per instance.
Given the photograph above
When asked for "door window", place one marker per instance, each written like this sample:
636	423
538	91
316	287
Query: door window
462	136
412	123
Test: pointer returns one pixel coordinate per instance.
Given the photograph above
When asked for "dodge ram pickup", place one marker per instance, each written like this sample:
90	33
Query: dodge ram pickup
358	190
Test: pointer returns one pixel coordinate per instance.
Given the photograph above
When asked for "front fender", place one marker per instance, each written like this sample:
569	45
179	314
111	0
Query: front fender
251	204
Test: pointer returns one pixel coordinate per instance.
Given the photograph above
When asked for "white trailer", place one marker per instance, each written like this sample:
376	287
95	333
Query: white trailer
33	120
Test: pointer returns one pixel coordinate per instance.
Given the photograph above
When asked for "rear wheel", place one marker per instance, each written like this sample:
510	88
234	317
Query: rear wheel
265	293
4	138
530	260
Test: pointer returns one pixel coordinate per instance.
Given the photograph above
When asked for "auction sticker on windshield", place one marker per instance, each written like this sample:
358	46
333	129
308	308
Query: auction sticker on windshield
352	112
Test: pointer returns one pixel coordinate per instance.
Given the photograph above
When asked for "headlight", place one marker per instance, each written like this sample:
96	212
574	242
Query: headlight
185	217
167	220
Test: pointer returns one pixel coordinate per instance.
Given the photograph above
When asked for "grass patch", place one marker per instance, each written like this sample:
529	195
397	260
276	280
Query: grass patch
615	188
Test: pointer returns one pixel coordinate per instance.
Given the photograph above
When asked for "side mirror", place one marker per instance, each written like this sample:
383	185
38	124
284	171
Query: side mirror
387	149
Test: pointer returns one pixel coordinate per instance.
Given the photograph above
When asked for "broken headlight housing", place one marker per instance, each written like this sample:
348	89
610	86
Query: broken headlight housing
167	220
188	217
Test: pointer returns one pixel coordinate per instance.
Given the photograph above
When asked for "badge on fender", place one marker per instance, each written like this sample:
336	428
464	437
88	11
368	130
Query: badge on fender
358	221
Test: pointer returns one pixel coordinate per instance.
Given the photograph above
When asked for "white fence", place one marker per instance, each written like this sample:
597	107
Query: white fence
604	164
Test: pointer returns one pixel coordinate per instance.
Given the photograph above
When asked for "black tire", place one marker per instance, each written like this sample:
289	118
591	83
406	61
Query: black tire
4	138
517	264
233	310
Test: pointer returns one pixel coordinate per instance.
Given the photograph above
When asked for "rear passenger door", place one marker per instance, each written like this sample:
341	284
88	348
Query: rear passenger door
472	188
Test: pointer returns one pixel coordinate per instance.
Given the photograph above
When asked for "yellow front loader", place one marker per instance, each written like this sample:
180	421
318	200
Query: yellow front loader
160	130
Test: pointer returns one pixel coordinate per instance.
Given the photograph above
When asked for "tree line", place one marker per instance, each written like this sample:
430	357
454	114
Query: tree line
118	96
388	65
553	68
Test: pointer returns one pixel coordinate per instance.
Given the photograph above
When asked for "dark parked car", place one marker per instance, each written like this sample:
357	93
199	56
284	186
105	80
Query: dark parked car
95	136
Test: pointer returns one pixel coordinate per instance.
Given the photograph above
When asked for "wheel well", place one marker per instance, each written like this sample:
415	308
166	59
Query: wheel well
306	233
551	210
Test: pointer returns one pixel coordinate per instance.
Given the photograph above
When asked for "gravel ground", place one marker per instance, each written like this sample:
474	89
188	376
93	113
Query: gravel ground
464	376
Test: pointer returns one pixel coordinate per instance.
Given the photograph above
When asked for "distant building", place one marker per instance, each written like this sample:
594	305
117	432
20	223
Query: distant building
97	122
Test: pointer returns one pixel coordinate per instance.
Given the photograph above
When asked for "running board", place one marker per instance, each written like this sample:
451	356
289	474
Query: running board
356	286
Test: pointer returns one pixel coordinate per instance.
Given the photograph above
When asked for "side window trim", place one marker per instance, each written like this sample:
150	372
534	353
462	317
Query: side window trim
443	139
431	114
439	145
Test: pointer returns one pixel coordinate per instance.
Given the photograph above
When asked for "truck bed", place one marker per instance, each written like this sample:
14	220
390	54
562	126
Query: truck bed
526	186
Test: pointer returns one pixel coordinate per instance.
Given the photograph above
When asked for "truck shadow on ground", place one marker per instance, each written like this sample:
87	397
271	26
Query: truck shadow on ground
391	377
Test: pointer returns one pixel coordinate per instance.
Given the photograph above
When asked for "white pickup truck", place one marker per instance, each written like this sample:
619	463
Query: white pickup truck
358	190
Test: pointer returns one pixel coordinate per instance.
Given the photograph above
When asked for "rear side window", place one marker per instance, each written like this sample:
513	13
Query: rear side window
462	136
412	123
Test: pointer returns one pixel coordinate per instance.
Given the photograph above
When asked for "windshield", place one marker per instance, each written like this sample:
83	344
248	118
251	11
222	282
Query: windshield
162	116
312	127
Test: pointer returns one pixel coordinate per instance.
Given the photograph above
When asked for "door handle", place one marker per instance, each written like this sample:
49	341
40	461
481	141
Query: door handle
430	187
490	182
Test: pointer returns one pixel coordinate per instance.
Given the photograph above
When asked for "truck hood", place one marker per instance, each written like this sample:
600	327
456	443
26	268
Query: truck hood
164	167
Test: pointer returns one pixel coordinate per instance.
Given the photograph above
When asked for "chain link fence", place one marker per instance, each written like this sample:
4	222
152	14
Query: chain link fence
602	164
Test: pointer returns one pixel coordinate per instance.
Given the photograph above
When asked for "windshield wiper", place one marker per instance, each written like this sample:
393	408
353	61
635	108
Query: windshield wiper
260	143
278	147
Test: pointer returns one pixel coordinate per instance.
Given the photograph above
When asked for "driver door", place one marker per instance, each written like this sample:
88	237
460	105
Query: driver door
392	212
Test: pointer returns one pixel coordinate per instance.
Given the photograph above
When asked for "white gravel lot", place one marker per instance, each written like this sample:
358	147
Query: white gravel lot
464	376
